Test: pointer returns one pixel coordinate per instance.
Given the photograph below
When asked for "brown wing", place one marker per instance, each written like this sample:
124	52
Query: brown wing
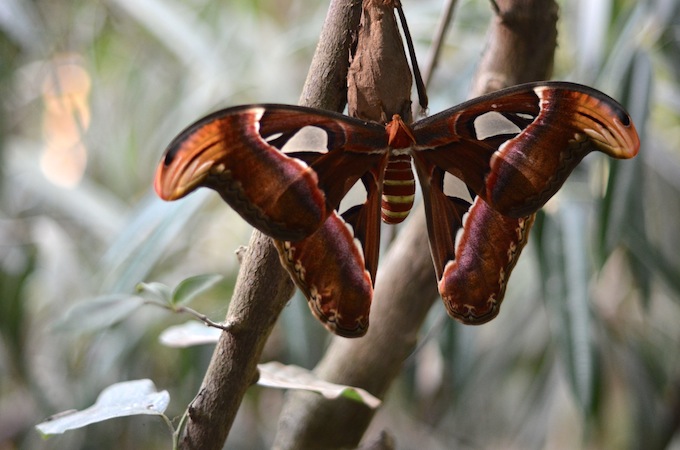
242	153
285	169
514	149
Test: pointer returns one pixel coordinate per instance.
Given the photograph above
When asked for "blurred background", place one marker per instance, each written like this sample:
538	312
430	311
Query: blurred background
585	353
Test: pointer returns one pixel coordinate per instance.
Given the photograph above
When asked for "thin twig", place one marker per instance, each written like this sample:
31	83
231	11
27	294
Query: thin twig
187	310
205	319
432	59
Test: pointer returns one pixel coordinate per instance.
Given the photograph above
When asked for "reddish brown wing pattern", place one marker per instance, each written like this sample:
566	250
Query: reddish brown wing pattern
335	267
528	137
238	153
290	192
513	149
328	267
225	152
473	283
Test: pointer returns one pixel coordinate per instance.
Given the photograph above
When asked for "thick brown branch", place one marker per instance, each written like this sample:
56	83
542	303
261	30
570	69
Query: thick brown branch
526	36
405	286
260	294
263	287
326	84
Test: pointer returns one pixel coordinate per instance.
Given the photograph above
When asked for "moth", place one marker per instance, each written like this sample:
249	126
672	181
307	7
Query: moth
286	169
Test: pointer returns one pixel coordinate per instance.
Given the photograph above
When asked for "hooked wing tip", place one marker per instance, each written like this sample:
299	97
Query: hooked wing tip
161	187
633	141
176	179
170	154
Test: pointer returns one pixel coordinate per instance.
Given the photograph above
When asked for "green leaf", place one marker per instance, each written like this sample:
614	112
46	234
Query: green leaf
189	334
655	261
152	227
157	291
16	266
566	276
277	375
100	312
577	326
128	398
192	287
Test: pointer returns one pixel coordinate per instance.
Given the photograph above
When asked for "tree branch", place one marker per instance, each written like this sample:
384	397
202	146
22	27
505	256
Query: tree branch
263	287
405	286
520	45
262	290
326	84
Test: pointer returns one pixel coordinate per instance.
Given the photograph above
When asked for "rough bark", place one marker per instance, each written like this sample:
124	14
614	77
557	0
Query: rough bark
326	84
520	45
520	48
261	292
263	287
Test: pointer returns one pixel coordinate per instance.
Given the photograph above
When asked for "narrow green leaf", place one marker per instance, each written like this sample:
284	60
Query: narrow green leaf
157	291
653	259
623	202
580	355
98	313
151	228
187	290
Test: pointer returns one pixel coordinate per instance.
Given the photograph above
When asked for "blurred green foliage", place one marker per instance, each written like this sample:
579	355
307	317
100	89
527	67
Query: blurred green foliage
583	355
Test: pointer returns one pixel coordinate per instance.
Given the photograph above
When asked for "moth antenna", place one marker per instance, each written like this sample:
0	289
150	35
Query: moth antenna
420	85
495	7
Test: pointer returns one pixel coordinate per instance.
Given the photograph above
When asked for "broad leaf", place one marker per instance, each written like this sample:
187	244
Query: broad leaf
128	398
189	334
277	375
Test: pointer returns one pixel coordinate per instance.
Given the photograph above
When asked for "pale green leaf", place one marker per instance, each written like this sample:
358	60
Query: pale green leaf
98	313
192	287
128	398
156	290
189	334
277	375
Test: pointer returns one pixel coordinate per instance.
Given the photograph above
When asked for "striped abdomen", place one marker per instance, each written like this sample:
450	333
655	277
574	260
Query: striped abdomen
399	188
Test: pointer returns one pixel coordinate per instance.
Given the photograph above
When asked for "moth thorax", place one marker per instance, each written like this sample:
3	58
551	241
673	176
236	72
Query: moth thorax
399	189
